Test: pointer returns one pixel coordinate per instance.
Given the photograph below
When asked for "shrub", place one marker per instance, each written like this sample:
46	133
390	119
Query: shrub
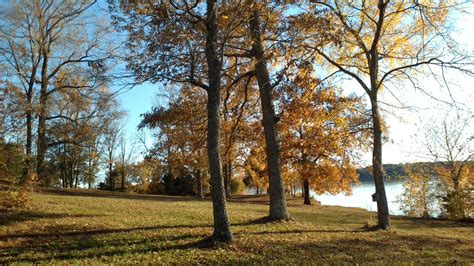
237	186
15	196
456	204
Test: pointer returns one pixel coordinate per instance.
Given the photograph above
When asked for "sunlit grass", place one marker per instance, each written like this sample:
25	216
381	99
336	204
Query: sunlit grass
94	230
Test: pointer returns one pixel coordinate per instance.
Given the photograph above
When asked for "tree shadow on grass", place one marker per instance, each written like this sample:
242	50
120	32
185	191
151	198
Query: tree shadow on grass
391	248
63	231
416	223
82	247
297	231
11	217
262	220
69	243
103	243
117	195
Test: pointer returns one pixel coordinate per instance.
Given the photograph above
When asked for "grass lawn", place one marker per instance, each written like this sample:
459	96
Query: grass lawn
100	227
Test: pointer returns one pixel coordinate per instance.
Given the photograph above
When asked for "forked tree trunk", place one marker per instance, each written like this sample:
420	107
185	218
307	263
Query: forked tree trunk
278	208
222	231
307	200
380	195
29	125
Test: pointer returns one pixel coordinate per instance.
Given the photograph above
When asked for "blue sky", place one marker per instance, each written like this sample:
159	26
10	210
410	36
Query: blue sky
135	102
141	98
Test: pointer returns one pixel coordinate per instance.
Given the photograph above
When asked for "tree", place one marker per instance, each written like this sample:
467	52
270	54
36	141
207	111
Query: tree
45	41
188	50
419	191
11	122
144	173
256	170
237	108
181	134
320	129
11	161
16	42
124	161
75	129
111	143
278	208
450	143
377	43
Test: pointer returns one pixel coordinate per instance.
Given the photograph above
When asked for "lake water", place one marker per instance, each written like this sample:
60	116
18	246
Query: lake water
362	197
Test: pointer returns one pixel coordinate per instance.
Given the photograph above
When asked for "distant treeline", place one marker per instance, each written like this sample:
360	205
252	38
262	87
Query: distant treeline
392	172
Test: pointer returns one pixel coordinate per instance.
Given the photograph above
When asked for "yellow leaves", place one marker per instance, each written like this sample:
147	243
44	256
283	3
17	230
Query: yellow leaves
315	136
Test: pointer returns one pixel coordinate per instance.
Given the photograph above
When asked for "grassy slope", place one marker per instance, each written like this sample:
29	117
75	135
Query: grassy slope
93	230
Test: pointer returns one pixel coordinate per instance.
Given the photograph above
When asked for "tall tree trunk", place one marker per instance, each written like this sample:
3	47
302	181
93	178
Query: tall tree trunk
76	178
199	184
222	231
29	124
307	200
111	183
170	184
302	188
381	197
278	208
227	179
294	189
63	166
42	144
122	185
29	144
229	176
71	173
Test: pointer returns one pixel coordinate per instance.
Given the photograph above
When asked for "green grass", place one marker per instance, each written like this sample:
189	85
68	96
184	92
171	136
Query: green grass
99	227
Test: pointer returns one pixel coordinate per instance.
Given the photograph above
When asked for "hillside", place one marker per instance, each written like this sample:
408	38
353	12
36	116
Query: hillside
85	227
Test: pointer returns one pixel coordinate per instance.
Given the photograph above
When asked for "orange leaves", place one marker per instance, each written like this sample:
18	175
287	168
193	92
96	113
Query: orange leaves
317	133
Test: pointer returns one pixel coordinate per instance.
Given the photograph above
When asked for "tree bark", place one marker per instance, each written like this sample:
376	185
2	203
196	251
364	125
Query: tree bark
302	188
278	208
29	142
222	231
42	144
122	185
199	184
29	122
381	197
111	182
229	172
170	184
76	178
228	179
377	167
307	200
